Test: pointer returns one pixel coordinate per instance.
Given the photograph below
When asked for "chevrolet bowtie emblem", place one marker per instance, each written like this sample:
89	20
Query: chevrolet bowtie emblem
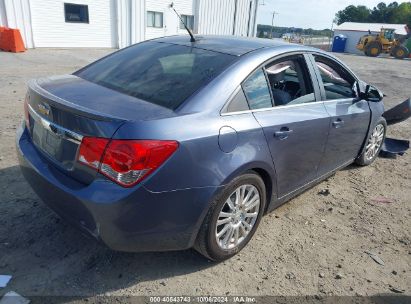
44	109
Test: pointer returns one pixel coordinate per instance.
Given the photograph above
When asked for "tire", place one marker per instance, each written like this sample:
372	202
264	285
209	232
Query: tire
400	52
373	49
208	243
367	157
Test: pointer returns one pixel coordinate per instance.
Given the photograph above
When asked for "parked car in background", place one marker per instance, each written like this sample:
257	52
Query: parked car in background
171	144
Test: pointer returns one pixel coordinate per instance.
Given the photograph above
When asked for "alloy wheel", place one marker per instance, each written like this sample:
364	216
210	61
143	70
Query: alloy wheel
375	142
237	216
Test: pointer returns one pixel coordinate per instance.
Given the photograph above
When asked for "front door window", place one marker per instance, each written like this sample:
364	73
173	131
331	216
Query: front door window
337	82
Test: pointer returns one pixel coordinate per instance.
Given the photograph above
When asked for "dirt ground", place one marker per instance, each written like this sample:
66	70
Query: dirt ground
313	245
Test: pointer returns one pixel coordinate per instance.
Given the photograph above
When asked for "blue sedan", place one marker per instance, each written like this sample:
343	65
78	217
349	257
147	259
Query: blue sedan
171	144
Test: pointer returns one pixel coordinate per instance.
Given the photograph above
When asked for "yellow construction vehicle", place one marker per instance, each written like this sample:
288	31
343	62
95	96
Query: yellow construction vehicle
384	42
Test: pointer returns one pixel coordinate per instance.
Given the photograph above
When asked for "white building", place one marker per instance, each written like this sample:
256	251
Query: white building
119	23
354	31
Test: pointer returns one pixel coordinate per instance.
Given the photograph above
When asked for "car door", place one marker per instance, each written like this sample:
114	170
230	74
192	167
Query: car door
350	117
287	105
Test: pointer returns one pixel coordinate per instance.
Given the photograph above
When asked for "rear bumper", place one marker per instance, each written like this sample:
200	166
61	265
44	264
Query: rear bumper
125	219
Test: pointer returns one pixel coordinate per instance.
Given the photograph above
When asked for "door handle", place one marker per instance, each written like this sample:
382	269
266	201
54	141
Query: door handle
283	133
338	123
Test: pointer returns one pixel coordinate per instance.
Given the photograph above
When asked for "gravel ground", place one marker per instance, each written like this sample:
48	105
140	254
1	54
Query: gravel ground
313	245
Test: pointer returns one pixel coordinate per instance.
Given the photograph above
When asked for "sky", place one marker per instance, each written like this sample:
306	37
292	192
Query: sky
316	14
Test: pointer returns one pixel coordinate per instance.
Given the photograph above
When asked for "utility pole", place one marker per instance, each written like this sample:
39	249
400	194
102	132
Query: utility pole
331	35
272	24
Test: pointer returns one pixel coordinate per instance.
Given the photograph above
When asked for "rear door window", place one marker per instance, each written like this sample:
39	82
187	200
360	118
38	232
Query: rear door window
257	91
161	73
290	81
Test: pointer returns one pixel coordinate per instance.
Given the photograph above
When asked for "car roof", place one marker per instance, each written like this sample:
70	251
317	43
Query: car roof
232	45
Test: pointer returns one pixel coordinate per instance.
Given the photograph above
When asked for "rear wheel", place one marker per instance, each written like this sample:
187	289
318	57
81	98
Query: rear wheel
233	218
400	52
374	144
373	49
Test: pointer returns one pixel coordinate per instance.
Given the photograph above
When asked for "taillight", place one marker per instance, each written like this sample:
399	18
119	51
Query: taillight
91	151
127	162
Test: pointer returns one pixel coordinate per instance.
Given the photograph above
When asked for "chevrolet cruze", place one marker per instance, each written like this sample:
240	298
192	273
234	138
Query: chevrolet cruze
171	144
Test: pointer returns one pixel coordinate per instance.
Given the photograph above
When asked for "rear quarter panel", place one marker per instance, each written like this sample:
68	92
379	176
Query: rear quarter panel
200	160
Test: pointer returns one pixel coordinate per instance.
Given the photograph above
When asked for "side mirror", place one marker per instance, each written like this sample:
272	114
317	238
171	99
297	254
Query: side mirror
373	94
359	88
357	91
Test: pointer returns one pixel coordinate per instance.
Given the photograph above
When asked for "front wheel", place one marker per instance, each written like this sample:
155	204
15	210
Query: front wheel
373	49
400	52
233	218
374	144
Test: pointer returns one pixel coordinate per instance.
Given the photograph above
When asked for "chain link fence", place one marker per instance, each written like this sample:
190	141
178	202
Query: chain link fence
321	42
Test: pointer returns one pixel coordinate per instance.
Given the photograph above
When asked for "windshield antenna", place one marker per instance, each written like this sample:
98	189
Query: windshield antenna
181	19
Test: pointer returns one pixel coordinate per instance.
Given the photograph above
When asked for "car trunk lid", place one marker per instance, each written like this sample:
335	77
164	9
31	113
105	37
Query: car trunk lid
62	110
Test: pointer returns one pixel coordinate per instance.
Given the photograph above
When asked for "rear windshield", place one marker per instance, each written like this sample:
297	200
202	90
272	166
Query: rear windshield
164	74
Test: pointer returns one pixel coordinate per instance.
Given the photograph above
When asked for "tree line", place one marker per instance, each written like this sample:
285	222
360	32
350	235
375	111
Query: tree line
382	13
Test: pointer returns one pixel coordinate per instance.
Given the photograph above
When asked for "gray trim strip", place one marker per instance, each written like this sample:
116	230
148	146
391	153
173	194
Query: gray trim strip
272	108
56	129
287	106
